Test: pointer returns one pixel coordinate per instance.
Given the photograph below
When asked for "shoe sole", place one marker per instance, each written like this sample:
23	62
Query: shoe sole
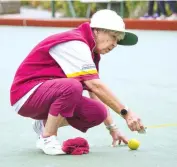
50	152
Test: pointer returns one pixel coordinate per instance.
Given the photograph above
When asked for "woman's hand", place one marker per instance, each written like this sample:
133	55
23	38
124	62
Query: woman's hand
134	122
118	137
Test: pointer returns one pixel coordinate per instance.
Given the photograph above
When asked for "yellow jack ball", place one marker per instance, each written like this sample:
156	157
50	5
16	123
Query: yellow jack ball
133	144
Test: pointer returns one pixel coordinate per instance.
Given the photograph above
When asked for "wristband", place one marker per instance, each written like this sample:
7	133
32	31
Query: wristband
111	127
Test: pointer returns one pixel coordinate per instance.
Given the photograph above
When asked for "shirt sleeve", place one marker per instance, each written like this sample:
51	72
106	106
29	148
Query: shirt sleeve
75	59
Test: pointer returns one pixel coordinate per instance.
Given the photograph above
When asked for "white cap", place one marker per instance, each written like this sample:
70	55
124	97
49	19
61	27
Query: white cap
110	20
107	19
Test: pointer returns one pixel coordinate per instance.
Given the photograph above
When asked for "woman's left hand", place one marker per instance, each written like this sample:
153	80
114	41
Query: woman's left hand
118	137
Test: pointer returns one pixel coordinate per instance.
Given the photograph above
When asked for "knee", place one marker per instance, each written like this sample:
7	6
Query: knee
100	114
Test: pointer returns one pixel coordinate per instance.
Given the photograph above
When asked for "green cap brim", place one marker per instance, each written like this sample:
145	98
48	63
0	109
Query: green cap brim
129	39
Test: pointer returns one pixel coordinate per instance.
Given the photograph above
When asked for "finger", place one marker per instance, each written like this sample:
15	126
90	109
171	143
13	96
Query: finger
130	126
141	124
114	143
125	140
138	126
135	126
120	141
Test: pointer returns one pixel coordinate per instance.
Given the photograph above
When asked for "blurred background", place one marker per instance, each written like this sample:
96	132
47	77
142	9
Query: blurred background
158	10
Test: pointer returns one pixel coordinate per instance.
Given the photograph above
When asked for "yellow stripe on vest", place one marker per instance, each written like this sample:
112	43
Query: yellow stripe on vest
80	73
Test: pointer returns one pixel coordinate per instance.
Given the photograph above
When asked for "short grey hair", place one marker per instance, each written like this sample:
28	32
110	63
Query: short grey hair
118	34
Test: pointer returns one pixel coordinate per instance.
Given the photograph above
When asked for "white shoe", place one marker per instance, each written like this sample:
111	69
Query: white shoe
38	126
162	17
172	17
50	145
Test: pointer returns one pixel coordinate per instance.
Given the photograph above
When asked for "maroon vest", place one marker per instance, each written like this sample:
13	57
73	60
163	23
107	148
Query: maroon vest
39	66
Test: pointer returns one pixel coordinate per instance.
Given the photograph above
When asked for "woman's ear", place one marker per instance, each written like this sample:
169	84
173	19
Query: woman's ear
95	32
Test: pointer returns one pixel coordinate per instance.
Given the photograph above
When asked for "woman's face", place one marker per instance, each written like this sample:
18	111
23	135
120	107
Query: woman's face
105	42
